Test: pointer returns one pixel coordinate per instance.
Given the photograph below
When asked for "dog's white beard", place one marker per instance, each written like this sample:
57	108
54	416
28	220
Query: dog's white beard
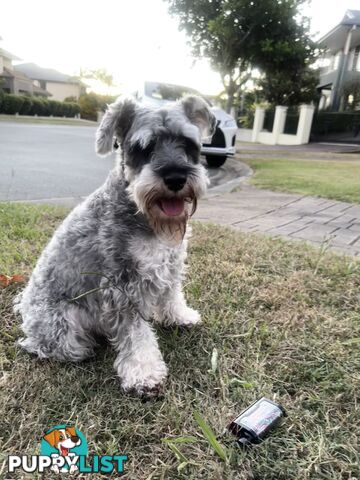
170	230
146	190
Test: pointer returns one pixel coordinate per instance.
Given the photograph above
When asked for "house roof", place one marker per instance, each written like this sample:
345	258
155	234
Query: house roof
48	74
6	54
21	76
352	17
13	74
335	39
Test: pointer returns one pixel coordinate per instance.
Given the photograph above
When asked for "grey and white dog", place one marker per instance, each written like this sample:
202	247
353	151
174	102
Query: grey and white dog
118	259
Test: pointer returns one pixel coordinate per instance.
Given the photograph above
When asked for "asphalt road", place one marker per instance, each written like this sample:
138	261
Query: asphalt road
49	161
58	163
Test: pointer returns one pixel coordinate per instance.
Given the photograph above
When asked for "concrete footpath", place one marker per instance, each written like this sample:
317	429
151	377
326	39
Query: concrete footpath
293	217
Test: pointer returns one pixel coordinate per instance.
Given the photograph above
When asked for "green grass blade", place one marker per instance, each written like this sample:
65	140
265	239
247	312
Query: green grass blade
210	436
181	458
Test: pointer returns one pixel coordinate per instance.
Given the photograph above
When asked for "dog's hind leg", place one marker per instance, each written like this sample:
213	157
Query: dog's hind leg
172	309
61	332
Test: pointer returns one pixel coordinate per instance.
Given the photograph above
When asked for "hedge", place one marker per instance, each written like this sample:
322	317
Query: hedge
335	122
31	105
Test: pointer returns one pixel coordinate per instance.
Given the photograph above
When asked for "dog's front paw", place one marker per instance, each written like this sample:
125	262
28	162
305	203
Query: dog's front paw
144	378
187	317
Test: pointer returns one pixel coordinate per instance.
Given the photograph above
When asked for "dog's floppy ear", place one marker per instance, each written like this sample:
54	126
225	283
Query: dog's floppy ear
52	438
116	121
199	113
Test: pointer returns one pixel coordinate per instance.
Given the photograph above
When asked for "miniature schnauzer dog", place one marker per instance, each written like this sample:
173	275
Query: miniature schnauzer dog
118	258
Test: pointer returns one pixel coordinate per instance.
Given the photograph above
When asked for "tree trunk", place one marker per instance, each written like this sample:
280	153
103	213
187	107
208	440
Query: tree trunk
230	91
229	101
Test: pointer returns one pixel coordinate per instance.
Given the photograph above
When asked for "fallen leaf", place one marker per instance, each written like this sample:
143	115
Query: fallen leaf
17	279
5	280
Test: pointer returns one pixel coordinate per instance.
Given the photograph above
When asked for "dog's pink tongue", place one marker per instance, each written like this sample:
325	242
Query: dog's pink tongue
64	451
172	206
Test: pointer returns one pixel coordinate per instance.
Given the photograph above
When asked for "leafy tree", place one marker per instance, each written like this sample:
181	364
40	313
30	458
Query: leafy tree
72	98
99	74
239	35
91	103
290	87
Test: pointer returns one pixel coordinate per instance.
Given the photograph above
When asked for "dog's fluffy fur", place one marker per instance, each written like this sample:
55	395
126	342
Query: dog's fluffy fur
124	247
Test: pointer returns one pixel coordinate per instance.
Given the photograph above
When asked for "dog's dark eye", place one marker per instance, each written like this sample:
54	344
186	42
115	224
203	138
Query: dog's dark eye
137	149
192	150
148	150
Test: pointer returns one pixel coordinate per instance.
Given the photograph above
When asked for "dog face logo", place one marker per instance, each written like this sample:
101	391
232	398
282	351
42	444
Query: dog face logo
63	440
64	444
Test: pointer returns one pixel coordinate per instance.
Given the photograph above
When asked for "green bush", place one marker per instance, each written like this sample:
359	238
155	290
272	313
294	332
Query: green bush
75	109
32	105
89	106
91	103
11	103
71	99
39	107
334	122
55	108
26	106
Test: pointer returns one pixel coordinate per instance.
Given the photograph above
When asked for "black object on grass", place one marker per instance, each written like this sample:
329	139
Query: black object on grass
254	423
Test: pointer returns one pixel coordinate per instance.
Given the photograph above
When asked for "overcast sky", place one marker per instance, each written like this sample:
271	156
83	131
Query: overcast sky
133	39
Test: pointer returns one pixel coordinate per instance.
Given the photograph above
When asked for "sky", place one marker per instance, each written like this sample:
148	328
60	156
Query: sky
135	40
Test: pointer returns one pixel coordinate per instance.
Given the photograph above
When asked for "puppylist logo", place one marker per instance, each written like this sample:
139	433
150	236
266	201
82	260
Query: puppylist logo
64	449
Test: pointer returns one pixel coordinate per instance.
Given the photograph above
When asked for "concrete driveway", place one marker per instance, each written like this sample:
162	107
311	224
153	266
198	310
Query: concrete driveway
57	163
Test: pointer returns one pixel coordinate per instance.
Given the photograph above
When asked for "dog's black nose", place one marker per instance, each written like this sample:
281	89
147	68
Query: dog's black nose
75	438
175	181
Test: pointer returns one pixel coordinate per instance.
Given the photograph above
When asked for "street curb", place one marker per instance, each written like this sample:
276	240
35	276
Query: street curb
231	184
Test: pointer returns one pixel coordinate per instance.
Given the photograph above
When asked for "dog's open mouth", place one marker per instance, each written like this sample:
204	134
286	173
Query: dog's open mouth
172	207
64	451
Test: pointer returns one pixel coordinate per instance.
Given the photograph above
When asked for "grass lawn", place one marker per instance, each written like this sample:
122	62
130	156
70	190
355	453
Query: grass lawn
281	317
338	180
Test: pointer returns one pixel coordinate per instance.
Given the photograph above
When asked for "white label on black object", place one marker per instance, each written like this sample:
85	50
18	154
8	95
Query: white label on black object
260	416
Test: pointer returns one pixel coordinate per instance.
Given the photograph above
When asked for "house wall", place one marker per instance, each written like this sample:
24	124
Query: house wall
5	62
60	91
21	86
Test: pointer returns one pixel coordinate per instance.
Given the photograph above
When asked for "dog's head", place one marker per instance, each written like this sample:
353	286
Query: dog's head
160	151
63	439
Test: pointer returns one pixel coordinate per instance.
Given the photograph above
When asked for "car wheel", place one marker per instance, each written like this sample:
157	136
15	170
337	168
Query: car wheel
215	161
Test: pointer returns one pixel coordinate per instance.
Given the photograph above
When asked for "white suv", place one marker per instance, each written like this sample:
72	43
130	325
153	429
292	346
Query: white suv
224	139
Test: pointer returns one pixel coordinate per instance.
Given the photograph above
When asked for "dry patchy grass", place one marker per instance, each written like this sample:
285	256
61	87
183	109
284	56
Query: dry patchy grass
282	319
